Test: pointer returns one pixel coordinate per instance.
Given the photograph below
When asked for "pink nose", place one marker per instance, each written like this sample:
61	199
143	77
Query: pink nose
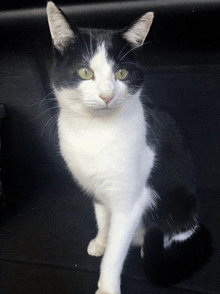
107	99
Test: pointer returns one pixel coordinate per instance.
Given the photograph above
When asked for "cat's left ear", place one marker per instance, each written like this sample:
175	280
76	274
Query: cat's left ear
138	32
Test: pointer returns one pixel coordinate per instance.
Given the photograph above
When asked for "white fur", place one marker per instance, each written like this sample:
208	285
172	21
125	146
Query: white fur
181	237
105	148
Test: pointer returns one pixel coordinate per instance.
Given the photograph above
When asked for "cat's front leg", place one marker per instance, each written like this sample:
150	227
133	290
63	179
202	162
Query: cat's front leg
123	224
97	246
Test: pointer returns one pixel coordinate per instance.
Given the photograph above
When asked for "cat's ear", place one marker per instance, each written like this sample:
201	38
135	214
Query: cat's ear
60	30
137	32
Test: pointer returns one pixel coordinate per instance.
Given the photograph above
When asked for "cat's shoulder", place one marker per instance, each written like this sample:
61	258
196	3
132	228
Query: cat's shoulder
162	127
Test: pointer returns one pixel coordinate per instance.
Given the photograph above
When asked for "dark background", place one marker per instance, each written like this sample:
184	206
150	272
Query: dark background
48	221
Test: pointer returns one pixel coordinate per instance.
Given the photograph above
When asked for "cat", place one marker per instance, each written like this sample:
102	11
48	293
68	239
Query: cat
132	161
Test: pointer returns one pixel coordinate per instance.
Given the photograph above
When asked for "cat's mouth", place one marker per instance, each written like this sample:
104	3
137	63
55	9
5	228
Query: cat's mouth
100	106
104	109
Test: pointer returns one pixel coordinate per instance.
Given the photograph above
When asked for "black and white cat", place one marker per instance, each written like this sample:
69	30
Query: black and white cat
134	164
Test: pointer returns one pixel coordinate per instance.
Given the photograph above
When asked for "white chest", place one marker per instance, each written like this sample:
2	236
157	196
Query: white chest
105	154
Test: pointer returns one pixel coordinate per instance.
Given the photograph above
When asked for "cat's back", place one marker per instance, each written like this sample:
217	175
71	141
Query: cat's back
174	165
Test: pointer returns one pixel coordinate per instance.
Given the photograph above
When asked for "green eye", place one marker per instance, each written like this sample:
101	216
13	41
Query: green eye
86	73
121	74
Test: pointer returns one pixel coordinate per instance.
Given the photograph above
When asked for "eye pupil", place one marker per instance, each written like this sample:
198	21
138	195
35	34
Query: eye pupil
86	73
121	74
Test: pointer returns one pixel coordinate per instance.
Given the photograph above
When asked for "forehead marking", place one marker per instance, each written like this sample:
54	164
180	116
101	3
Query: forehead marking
100	63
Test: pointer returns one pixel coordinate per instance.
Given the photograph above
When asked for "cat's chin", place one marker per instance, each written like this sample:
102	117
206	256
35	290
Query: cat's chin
104	111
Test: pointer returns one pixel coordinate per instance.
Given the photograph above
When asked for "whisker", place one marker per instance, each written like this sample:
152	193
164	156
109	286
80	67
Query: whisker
48	101
44	101
53	117
90	42
132	63
48	94
123	49
52	126
134	49
46	111
148	111
150	100
37	103
86	45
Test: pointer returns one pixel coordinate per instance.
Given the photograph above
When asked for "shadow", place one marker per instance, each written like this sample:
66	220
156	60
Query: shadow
30	161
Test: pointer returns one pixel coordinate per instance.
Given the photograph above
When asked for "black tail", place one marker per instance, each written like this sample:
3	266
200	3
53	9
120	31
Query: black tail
167	266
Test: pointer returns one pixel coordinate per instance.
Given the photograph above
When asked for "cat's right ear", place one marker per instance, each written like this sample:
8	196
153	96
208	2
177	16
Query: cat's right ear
60	30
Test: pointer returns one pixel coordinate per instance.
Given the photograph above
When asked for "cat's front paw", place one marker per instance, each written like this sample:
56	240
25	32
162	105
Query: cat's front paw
95	249
99	291
108	287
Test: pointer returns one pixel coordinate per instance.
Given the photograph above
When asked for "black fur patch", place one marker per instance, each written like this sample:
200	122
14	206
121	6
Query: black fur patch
172	176
78	54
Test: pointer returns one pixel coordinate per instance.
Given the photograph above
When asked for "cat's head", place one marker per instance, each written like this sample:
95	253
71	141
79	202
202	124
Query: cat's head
94	69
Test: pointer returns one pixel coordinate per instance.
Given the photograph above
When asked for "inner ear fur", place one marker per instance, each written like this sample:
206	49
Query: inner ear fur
60	29
138	31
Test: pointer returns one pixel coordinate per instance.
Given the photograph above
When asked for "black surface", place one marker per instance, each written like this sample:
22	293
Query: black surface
2	111
44	245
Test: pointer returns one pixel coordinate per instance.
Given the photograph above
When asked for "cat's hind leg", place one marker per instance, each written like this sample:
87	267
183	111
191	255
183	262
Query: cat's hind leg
97	246
138	239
